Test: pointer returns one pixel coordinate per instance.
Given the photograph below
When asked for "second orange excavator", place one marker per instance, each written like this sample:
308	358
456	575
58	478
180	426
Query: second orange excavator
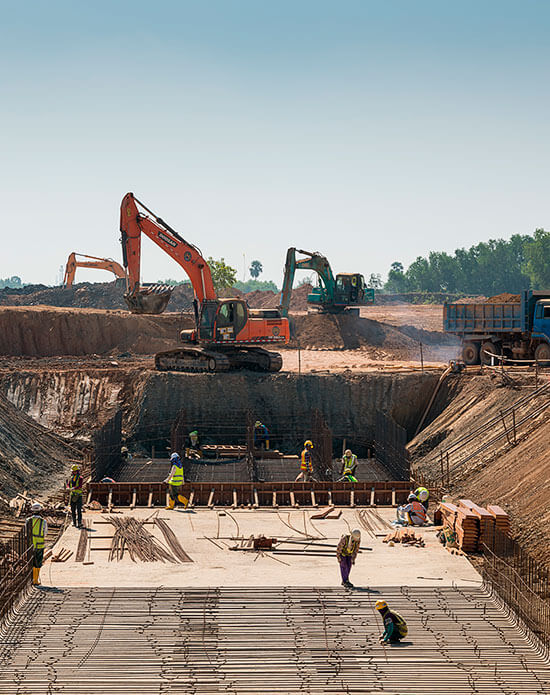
94	262
228	334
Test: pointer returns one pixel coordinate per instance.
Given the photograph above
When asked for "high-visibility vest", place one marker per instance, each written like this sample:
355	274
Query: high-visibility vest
399	623
350	546
422	493
306	461
350	464
177	476
75	484
418	511
37	530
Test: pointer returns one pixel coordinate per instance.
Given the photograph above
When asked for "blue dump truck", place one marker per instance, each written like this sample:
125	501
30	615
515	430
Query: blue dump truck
518	329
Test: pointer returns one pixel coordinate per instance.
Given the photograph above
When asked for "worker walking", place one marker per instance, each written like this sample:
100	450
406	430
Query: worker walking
306	462
346	552
395	627
193	449
261	436
412	513
422	494
175	482
36	529
74	485
349	465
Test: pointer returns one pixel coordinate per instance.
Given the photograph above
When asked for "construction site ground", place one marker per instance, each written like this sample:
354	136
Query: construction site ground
241	622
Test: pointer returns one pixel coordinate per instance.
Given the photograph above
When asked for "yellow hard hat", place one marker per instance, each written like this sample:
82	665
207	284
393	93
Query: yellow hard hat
380	605
308	442
75	467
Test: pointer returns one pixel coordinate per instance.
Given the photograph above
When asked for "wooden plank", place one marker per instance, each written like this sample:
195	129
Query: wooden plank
256	500
274	499
352	498
313	500
82	544
372	497
191	498
293	500
133	502
235	501
330	497
393	503
150	499
210	498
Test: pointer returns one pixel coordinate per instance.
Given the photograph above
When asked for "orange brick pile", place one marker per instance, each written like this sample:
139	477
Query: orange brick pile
473	524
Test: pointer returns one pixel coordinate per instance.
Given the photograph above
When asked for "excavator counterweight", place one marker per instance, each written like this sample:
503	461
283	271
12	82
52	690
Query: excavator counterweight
228	335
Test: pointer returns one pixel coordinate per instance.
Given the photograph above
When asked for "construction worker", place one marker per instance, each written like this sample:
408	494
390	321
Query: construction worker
349	464
395	627
346	552
193	449
306	462
175	482
261	436
74	486
125	455
422	495
412	513
37	528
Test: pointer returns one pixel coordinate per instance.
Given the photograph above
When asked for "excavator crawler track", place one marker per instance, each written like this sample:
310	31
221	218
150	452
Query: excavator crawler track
199	359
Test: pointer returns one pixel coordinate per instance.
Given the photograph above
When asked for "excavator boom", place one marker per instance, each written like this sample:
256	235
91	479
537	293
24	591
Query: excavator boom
74	262
133	224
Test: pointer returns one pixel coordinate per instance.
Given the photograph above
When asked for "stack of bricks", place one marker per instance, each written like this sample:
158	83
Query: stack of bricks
485	519
502	520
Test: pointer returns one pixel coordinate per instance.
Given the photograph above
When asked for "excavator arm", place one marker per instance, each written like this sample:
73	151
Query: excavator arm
134	223
95	262
313	261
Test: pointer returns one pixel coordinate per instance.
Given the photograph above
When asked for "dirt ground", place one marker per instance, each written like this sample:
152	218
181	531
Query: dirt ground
512	475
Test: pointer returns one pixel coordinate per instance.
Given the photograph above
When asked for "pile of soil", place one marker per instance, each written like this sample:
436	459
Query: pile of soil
109	295
380	340
504	298
46	331
31	458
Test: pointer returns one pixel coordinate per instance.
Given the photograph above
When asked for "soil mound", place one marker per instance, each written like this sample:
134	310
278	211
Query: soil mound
504	298
46	331
29	455
109	295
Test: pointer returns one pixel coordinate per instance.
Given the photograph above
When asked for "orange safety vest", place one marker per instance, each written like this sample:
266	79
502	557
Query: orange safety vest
306	461
419	511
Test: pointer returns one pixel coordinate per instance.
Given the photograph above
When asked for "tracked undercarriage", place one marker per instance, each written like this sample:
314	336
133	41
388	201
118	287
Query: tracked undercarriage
200	359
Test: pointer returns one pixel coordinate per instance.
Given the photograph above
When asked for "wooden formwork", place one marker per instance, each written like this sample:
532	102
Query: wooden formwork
277	494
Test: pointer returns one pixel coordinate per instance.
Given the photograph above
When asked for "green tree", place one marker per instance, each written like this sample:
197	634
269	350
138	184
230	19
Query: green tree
397	282
255	269
537	259
223	275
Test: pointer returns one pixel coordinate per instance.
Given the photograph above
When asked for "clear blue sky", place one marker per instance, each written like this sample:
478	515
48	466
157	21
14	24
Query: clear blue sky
370	131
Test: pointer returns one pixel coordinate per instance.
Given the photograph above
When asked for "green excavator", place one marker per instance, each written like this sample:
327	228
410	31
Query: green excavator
346	292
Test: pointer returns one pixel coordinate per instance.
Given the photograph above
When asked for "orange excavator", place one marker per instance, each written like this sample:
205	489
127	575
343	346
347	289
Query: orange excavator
228	334
102	263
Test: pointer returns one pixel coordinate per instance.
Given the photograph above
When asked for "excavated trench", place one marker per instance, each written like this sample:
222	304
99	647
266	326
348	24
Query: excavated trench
74	401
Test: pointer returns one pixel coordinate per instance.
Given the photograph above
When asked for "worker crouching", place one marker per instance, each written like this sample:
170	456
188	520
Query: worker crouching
36	529
349	466
395	627
413	513
346	552
175	482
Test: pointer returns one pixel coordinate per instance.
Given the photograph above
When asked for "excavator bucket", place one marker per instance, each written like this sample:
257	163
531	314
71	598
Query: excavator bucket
151	299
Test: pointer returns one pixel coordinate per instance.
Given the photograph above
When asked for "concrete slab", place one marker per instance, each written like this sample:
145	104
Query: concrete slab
215	565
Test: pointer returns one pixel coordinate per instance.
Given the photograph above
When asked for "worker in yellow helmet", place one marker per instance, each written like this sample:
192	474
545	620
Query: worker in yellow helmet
346	552
175	482
37	528
349	465
395	627
74	486
306	462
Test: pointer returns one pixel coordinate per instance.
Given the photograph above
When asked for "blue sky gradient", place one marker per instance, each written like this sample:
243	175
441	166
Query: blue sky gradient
370	131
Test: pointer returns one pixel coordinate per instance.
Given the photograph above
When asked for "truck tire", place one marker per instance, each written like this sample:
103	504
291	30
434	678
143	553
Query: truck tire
470	353
542	354
489	347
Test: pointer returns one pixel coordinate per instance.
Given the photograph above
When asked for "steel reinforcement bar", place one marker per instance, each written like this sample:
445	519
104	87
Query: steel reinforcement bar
275	494
265	640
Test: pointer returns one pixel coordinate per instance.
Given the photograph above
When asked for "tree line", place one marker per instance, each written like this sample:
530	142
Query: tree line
487	268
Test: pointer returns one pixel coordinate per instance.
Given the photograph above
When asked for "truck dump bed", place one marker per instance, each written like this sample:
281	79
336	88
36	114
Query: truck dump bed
484	318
